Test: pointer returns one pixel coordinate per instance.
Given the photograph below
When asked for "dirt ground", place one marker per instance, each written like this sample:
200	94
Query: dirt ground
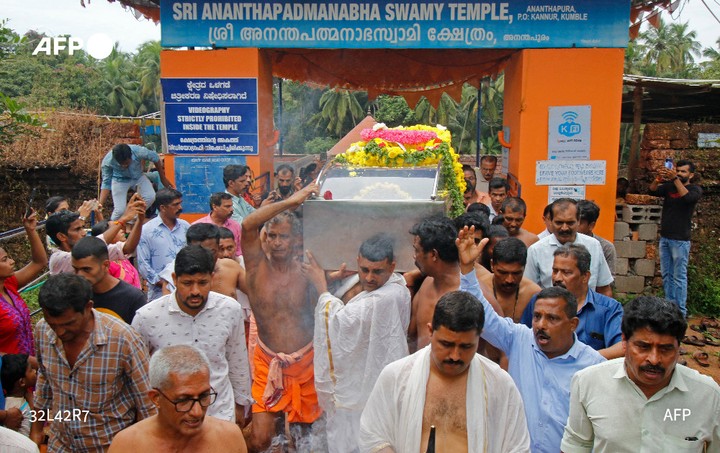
713	352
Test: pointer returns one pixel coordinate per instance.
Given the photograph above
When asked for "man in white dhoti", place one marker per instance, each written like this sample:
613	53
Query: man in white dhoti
354	342
473	404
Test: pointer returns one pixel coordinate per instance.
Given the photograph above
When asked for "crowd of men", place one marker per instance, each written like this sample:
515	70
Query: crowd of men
501	340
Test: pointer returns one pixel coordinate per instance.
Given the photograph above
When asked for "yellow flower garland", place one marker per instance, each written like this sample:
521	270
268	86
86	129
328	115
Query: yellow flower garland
379	152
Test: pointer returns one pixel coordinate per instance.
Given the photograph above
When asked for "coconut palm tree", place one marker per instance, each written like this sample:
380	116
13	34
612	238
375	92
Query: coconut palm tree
123	90
147	62
670	50
341	110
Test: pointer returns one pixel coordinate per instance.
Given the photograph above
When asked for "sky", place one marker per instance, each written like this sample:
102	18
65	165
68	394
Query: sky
57	17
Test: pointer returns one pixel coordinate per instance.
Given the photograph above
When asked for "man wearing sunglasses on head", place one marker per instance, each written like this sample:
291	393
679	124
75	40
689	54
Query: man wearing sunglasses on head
181	391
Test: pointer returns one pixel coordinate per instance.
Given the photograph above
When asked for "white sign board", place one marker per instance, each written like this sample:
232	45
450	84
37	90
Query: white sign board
569	132
570	172
574	192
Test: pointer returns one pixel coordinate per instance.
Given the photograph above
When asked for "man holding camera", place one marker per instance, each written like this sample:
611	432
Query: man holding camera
680	198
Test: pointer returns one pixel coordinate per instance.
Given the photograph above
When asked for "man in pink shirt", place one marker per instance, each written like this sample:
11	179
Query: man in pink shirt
221	209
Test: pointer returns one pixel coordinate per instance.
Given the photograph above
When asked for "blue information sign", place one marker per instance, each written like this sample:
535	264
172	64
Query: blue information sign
384	24
211	116
198	177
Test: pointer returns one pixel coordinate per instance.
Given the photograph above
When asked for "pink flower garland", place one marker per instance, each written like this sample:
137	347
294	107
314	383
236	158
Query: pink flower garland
404	137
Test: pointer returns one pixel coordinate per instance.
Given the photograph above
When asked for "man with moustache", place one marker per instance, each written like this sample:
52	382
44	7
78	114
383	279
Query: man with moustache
472	195
564	218
237	181
679	200
471	402
221	211
437	263
193	314
499	190
488	165
644	401
542	360
514	210
353	342
88	361
181	391
282	304
287	183
162	237
600	316
512	291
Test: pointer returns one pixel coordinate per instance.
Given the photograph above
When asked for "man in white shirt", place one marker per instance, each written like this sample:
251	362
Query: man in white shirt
354	342
14	442
644	401
472	403
564	218
192	314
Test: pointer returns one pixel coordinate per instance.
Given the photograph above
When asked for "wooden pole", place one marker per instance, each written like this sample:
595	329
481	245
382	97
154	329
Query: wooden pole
634	158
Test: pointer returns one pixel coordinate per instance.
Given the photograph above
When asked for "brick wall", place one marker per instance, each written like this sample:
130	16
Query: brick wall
638	216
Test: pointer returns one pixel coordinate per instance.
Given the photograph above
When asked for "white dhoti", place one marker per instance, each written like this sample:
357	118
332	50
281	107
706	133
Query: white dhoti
394	411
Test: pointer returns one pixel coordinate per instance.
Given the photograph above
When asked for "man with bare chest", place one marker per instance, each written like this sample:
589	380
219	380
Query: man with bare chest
512	291
228	275
472	403
437	260
181	391
282	304
514	210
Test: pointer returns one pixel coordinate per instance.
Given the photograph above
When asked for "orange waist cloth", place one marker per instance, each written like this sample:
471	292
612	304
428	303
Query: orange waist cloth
285	382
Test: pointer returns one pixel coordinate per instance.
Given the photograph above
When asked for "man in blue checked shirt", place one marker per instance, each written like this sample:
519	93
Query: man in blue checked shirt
122	169
542	360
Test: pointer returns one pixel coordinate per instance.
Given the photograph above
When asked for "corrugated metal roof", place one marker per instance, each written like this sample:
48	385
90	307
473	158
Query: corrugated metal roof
667	100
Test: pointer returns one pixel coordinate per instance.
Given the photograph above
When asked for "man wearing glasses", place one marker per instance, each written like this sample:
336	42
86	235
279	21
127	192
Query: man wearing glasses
181	391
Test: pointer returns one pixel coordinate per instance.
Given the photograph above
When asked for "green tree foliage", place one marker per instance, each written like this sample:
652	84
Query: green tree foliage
393	111
669	50
341	110
319	145
711	69
300	104
14	120
122	84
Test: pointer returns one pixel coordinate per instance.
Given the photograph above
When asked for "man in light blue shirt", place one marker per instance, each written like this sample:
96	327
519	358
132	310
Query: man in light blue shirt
161	239
122	169
542	360
237	180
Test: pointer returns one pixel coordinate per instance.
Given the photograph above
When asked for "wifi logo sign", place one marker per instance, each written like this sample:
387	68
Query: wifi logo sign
569	128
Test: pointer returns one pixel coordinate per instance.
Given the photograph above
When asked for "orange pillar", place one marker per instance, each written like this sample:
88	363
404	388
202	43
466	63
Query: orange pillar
536	79
246	62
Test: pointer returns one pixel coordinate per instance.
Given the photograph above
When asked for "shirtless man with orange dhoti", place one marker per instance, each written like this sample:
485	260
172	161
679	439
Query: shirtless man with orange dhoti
283	307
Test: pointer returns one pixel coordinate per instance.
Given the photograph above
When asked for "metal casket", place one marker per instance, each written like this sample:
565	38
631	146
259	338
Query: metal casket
356	203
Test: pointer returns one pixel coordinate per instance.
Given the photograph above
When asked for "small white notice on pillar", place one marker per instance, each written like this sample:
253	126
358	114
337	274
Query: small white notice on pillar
570	172
574	192
569	132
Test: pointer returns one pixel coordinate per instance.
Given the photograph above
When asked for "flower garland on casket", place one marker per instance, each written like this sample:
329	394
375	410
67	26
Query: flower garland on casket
412	146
